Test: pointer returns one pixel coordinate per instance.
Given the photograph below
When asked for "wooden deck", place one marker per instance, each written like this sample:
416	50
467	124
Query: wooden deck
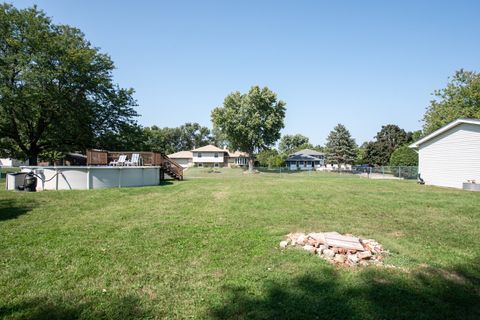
170	167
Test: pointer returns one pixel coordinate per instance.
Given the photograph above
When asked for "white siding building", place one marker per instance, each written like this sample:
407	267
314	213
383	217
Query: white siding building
450	156
210	156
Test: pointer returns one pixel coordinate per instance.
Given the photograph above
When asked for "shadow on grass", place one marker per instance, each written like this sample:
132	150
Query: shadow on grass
10	209
105	307
166	182
379	294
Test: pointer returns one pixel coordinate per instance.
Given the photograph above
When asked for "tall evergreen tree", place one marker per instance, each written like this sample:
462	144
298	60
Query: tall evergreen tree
340	147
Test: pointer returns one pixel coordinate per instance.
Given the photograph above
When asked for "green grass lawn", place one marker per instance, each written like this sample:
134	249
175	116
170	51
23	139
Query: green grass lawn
207	248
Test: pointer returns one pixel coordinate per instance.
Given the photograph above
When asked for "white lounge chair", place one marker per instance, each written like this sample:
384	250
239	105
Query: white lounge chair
135	161
122	159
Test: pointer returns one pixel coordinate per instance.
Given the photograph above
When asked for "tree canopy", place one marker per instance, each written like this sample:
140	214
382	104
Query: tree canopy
127	137
459	99
389	138
270	158
340	147
56	89
251	122
169	140
292	143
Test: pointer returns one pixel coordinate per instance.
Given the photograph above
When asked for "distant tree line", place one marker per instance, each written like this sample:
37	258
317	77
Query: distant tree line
57	95
167	140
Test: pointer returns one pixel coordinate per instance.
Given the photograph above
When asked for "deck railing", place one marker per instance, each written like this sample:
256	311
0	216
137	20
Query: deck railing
173	166
97	157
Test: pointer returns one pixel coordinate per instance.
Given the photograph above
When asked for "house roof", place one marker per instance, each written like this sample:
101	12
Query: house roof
301	157
238	154
181	155
308	152
209	148
444	129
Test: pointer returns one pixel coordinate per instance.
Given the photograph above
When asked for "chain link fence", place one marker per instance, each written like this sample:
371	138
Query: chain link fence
383	172
386	172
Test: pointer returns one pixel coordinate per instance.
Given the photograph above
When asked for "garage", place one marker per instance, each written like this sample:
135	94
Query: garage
450	156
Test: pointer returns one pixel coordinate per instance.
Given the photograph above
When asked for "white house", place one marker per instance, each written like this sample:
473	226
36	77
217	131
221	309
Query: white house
450	156
210	156
183	158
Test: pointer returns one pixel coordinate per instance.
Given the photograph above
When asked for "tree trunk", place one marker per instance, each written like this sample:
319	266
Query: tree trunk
250	165
33	156
33	160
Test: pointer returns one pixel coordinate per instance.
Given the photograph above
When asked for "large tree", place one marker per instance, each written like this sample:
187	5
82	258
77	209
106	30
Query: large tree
166	140
56	90
459	99
341	147
193	135
291	143
389	138
128	137
220	139
252	121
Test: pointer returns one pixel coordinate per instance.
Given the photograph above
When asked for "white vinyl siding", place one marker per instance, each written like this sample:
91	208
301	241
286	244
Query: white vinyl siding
452	157
208	157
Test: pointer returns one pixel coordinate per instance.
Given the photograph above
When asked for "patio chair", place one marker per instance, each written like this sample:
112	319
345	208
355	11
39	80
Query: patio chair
135	161
122	159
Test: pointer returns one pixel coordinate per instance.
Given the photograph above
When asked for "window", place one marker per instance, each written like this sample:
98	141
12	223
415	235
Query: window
216	155
200	164
216	165
199	154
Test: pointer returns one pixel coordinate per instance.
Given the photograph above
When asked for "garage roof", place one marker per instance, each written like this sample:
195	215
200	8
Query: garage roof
444	129
181	155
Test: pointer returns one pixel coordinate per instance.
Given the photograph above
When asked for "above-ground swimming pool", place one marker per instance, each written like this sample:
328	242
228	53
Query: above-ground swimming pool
91	177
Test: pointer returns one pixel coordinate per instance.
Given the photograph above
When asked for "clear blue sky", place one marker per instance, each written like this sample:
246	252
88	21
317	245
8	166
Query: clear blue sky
360	63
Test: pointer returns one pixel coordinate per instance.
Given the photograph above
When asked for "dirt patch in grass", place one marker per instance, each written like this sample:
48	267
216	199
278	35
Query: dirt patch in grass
220	195
396	234
149	292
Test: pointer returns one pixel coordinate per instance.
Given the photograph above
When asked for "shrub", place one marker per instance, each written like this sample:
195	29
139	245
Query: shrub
404	156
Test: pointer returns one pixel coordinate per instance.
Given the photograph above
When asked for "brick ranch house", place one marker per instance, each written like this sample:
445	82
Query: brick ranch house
210	156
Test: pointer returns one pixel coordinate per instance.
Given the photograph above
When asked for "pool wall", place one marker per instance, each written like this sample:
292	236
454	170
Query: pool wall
94	177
